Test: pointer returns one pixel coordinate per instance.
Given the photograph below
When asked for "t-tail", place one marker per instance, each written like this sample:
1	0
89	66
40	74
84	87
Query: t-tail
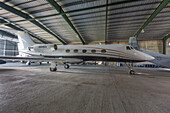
133	42
25	41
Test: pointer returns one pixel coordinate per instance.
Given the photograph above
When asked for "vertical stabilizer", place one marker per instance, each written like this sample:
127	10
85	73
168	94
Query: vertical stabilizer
133	42
25	41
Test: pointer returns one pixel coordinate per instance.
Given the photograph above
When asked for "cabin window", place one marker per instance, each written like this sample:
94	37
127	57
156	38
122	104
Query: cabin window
84	50
103	51
128	48
67	51
93	51
76	51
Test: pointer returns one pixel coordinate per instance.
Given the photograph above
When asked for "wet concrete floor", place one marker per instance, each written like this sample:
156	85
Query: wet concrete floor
83	89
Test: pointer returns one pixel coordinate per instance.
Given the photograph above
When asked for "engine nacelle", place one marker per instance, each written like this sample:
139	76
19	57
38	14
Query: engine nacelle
54	47
43	47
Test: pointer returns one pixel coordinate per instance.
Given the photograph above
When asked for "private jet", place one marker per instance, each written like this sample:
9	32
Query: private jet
68	54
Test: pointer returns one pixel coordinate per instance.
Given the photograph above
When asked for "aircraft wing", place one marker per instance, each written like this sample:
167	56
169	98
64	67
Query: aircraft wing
65	60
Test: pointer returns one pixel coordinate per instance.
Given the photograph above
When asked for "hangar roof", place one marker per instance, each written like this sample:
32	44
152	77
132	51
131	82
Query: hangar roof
87	21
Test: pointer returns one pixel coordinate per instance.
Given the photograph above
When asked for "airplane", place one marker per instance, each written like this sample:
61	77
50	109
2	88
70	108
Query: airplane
68	54
159	59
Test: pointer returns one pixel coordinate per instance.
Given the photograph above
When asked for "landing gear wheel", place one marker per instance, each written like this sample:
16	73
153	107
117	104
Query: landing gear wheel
131	72
66	66
53	69
29	63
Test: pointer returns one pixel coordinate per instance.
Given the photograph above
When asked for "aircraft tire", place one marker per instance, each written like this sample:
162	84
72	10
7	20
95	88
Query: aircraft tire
131	72
29	63
53	69
66	66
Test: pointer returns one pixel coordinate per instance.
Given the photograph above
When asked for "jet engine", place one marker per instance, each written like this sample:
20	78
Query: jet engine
54	47
43	47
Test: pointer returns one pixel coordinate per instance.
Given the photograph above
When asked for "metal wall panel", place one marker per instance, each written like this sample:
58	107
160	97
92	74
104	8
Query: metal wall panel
8	48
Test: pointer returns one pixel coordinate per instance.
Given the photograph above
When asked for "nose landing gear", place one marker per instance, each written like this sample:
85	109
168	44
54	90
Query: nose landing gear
131	71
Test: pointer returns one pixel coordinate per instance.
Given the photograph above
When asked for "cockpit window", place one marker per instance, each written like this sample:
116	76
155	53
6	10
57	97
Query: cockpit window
131	47
128	48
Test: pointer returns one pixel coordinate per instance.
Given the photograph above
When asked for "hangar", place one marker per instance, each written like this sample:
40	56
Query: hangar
84	88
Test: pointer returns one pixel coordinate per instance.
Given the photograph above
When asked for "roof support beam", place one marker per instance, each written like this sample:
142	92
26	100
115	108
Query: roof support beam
73	11
164	43
5	33
19	29
153	15
26	16
60	10
106	35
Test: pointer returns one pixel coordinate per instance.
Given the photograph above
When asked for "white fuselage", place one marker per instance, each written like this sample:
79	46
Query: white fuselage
90	52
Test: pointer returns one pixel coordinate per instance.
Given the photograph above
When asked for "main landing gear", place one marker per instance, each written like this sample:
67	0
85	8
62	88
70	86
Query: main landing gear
66	66
28	63
131	71
53	67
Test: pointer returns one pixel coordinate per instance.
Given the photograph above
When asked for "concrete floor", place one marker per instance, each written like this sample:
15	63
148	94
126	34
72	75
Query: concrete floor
83	89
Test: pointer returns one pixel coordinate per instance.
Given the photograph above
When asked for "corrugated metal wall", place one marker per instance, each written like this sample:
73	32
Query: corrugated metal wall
8	48
153	46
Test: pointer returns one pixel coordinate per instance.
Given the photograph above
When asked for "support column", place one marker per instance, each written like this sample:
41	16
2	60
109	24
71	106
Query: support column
164	43
164	46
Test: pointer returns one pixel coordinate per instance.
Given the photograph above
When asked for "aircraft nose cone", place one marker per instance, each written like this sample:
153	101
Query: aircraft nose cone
148	57
144	56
